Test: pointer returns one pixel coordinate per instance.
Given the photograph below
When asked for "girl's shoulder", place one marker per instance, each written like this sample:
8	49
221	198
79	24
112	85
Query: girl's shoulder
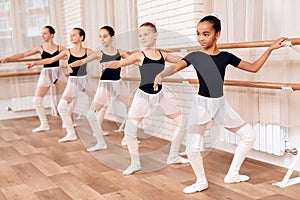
38	49
89	51
61	48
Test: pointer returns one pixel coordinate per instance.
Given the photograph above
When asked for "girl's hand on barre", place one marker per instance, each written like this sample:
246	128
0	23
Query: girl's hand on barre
3	60
278	43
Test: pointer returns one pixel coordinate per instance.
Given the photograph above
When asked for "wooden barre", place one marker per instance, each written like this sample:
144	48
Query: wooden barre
236	45
267	85
22	74
23	60
19	74
254	84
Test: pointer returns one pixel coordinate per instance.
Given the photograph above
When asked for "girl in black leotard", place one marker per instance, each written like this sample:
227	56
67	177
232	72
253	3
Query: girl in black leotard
77	81
110	84
210	104
151	61
50	74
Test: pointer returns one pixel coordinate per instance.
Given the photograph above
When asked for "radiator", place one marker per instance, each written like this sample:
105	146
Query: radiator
24	87
270	138
26	103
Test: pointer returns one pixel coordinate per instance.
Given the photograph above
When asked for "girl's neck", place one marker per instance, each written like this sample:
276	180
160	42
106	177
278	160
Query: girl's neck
49	43
151	49
78	46
109	49
212	50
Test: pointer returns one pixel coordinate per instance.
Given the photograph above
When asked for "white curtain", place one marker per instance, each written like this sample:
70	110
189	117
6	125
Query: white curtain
121	15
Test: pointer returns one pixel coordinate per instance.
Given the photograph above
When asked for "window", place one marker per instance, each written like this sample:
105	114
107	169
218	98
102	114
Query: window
20	24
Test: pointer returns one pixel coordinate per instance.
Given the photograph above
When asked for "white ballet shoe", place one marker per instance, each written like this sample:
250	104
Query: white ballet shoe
41	128
97	147
119	130
235	178
195	188
105	133
178	160
131	169
184	153
124	143
74	125
68	138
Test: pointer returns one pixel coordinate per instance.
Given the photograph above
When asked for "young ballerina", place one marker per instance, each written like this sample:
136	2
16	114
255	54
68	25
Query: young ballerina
78	80
210	103
151	61
50	74
110	84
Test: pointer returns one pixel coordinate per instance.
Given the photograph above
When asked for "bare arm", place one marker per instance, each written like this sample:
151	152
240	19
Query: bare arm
90	57
61	55
134	58
255	66
96	55
172	58
169	71
61	48
20	55
124	54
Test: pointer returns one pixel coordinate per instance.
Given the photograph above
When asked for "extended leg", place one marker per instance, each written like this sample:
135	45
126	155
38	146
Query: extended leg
176	143
92	119
100	117
195	158
40	110
247	139
67	121
133	146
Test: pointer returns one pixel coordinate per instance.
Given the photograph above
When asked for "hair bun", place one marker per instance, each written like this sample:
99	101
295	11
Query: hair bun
151	21
214	14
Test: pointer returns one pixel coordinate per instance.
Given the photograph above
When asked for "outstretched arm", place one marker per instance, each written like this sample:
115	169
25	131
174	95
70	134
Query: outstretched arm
61	55
169	71
96	55
172	58
134	58
124	54
255	66
20	55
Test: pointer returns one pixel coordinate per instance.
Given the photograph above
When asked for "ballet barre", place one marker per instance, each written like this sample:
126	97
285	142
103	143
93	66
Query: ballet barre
234	45
237	45
19	74
24	60
254	84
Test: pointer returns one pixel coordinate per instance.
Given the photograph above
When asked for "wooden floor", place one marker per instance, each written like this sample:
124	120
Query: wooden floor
36	166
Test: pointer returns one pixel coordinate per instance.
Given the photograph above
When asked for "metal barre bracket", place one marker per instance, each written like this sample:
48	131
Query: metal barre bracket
287	181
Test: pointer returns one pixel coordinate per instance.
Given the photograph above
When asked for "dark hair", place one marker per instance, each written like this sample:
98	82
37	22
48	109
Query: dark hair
50	28
150	25
214	21
81	32
109	29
